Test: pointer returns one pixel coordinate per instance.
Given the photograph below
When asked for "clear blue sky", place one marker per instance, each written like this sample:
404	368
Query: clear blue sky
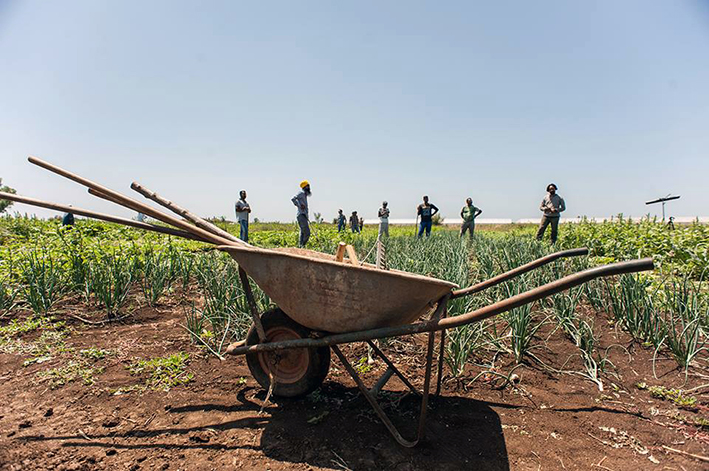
367	100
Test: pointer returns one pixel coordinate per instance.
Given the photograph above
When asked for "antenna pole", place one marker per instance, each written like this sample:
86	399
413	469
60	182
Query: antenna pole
663	201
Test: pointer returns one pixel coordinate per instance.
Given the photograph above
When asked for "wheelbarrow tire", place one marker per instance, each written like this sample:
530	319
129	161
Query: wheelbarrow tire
297	371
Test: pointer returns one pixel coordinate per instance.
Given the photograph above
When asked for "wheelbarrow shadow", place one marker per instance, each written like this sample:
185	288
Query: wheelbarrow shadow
336	428
333	428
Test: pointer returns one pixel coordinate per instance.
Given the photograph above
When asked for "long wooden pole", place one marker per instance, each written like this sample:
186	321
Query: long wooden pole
198	221
132	204
95	215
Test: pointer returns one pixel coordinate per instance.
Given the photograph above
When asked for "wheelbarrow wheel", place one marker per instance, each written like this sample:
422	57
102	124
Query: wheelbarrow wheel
297	371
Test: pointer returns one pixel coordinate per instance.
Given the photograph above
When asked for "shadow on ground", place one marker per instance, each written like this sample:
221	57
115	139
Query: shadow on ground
332	428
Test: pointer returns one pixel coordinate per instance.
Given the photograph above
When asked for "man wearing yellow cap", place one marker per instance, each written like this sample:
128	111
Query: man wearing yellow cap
301	202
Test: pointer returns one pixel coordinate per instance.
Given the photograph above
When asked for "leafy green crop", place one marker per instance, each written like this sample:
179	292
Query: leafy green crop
684	249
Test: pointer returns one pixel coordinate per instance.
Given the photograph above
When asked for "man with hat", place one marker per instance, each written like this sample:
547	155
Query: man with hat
552	206
301	202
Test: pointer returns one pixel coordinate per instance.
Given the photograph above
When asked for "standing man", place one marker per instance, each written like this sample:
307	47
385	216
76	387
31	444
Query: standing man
243	209
384	220
552	206
301	202
426	211
354	222
341	220
469	213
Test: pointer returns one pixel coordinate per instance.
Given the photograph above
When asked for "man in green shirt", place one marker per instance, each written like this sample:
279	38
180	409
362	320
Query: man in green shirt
469	213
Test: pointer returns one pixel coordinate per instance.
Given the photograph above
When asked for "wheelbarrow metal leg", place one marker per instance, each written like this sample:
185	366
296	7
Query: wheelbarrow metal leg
426	386
442	348
441	353
378	409
391	366
252	305
382	381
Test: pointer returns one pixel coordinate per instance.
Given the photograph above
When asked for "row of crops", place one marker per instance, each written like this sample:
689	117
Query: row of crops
114	270
683	250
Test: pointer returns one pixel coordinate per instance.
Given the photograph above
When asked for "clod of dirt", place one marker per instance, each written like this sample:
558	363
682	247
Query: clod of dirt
110	423
199	438
49	412
25	424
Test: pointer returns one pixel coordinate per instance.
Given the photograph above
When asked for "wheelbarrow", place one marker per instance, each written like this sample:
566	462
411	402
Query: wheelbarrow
288	348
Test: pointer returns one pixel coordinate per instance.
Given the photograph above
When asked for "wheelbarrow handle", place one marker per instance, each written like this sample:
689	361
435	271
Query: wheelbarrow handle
549	289
519	271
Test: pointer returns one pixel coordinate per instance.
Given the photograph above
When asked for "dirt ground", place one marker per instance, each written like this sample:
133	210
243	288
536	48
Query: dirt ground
221	419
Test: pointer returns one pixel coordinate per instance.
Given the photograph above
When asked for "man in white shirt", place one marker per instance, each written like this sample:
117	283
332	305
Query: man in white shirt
243	209
384	220
301	202
552	206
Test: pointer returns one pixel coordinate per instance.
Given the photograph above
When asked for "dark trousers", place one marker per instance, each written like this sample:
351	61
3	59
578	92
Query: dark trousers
546	220
468	226
244	230
425	226
304	229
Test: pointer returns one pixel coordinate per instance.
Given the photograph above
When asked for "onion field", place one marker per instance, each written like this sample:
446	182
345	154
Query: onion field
58	283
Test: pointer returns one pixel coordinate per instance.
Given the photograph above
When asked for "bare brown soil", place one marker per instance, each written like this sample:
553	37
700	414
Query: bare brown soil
221	420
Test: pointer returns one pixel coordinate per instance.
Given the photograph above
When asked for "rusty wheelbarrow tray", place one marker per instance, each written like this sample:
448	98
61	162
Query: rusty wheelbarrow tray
323	303
323	294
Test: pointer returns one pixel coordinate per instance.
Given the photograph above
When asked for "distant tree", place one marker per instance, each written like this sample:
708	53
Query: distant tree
256	221
4	204
437	219
318	218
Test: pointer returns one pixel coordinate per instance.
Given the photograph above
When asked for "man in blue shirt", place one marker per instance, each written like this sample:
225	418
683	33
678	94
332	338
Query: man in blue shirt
301	202
341	220
426	211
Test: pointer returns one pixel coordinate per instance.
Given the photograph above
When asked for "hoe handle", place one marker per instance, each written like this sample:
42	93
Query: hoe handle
131	203
95	215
